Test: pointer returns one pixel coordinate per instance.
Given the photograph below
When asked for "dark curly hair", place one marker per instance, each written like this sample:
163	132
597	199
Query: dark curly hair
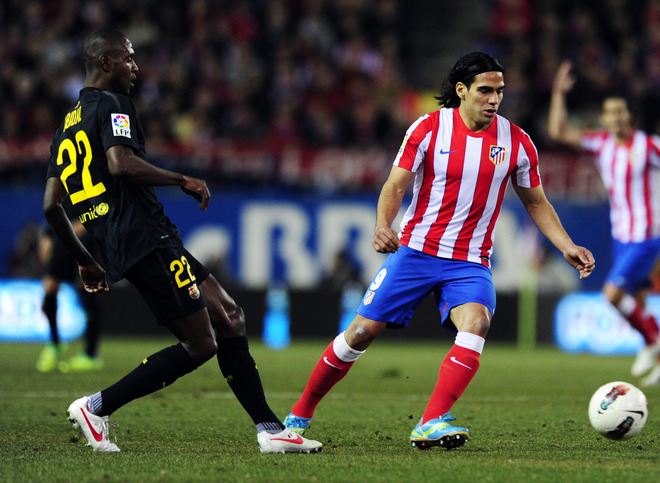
465	70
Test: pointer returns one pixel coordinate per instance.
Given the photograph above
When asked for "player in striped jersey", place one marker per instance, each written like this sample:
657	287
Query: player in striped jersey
459	160
629	164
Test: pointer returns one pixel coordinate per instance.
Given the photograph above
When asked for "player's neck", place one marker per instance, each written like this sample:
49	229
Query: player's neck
474	125
472	122
98	82
623	136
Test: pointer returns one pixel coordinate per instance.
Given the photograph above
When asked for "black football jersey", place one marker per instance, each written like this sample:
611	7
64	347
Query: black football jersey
125	217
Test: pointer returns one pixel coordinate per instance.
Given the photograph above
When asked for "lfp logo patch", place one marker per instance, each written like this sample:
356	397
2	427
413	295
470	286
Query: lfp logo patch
403	144
121	125
497	154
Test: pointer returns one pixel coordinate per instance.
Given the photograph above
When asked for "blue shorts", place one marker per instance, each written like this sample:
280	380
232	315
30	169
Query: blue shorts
408	276
632	264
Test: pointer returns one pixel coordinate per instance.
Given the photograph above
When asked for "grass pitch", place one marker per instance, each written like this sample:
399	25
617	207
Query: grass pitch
527	412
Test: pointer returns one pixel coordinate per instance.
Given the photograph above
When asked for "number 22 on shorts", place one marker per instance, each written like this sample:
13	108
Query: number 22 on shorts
177	266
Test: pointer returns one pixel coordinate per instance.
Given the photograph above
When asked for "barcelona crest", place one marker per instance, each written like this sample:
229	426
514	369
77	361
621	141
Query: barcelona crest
193	291
497	154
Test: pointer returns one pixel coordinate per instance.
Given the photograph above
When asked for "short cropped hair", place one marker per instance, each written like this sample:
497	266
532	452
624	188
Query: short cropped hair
99	42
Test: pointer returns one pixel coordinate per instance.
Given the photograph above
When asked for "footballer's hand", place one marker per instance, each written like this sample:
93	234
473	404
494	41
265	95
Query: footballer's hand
564	79
93	277
581	259
385	240
197	189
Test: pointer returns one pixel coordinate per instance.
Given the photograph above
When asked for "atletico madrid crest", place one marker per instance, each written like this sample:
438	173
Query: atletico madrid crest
497	154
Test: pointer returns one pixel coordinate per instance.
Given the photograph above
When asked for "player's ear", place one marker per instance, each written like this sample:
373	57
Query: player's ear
460	90
104	62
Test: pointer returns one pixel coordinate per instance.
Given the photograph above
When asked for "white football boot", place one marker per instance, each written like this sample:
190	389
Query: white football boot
653	379
286	441
646	359
95	428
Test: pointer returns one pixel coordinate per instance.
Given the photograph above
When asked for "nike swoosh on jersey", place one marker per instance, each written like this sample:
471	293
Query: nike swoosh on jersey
442	151
97	436
325	359
453	359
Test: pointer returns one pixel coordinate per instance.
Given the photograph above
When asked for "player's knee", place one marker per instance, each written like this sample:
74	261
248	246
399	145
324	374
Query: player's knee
613	294
481	326
477	325
471	317
236	318
362	332
612	300
201	349
233	313
228	318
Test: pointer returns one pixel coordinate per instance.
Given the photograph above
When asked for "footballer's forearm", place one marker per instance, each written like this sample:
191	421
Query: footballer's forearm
71	242
60	223
127	165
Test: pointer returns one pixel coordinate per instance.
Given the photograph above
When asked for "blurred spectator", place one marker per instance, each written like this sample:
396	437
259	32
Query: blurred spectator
26	259
314	73
344	271
608	41
246	71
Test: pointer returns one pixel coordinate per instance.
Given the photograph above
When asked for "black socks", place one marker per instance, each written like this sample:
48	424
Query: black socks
165	367
240	372
49	308
155	372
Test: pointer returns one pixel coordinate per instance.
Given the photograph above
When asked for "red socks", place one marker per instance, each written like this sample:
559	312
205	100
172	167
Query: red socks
456	372
329	370
645	323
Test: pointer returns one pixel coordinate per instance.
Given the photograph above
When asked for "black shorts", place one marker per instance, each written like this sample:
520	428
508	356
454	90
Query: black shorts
168	279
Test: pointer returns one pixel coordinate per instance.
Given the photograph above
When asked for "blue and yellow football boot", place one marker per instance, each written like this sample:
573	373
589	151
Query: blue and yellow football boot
438	432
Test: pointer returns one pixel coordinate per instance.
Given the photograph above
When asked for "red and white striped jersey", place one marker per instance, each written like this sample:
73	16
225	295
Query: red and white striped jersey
460	180
631	175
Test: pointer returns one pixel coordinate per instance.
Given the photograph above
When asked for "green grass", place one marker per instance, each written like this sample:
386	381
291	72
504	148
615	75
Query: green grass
527	412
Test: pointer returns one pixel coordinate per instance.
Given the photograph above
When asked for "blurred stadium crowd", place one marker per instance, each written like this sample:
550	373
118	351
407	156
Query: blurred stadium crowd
321	72
614	46
219	78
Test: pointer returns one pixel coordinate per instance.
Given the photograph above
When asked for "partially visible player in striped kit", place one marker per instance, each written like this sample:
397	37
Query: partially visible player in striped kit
460	160
629	164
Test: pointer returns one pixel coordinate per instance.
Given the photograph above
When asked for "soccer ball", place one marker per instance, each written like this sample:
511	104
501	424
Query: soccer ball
618	410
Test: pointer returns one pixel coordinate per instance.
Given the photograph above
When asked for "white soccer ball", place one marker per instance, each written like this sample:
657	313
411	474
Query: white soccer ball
618	410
